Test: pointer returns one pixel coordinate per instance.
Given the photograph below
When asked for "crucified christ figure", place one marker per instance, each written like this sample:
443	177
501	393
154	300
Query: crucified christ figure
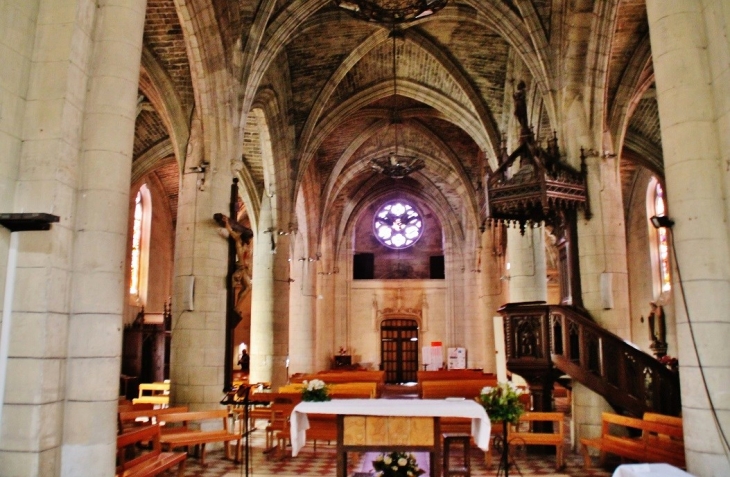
241	279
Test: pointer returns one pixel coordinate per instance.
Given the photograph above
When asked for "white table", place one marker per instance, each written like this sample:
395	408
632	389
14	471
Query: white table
480	425
649	470
360	411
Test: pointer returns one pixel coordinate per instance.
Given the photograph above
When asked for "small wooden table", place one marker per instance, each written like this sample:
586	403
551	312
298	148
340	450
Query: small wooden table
388	425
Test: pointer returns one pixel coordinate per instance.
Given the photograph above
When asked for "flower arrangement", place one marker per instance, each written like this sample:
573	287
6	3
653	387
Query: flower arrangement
315	390
397	464
502	402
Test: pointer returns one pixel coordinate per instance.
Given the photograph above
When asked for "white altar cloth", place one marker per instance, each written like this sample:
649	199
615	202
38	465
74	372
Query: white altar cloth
480	425
649	470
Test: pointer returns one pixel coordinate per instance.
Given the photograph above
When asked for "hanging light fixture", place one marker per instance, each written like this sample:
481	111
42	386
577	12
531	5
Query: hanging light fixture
391	11
394	165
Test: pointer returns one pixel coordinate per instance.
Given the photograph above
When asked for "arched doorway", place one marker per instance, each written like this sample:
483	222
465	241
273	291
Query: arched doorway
399	350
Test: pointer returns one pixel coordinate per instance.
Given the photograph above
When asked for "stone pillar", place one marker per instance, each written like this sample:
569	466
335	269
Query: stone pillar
492	293
197	350
690	54
327	311
604	275
97	288
528	282
269	303
302	312
280	312
528	272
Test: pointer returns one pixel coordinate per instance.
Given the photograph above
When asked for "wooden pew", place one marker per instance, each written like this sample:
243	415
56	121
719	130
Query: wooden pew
172	439
148	463
524	434
342	389
143	417
660	440
466	388
451	374
346	377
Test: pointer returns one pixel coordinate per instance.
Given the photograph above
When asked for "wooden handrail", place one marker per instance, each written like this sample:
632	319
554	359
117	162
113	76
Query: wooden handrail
542	339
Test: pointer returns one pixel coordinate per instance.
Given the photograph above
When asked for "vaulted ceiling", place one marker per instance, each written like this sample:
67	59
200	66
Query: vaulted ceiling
455	72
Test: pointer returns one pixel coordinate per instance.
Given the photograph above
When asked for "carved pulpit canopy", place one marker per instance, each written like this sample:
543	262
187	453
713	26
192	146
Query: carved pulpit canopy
542	188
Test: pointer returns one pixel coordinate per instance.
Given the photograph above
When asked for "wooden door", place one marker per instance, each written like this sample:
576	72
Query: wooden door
399	350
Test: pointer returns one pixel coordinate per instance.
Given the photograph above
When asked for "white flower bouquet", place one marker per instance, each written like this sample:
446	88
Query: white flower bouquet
315	390
397	464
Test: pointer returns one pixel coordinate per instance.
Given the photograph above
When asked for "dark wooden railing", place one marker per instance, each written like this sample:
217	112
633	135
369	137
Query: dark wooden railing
544	341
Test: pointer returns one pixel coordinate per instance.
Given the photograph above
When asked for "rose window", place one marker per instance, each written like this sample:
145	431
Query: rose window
398	225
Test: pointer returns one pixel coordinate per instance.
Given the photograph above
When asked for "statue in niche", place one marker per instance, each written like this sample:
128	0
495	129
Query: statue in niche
527	343
520	99
241	279
657	330
527	339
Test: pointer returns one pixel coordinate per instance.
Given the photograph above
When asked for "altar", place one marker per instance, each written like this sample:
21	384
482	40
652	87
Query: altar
387	425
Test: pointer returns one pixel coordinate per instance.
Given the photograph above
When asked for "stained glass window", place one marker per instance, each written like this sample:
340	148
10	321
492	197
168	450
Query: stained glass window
663	240
136	245
398	224
140	247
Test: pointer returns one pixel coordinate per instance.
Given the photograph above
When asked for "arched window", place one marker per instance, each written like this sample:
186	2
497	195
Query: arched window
659	237
140	247
398	224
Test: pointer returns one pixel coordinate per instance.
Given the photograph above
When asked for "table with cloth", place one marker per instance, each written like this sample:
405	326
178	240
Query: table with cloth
649	470
354	412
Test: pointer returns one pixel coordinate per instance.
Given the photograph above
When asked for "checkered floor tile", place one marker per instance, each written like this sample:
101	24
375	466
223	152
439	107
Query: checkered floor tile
322	462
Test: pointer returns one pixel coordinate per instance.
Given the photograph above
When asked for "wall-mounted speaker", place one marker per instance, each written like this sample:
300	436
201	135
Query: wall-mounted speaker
188	293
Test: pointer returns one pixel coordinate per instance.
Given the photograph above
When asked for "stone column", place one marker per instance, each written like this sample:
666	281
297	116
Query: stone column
690	54
327	311
604	277
302	312
528	282
528	272
197	350
492	293
269	303
97	287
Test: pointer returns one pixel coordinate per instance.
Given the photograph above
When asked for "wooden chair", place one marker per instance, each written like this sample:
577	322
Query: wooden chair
281	409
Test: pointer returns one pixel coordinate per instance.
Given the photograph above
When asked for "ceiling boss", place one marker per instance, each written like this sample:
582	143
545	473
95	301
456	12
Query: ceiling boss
391	11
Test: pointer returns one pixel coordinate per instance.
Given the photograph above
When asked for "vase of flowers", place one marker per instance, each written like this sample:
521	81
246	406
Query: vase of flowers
315	390
502	403
397	464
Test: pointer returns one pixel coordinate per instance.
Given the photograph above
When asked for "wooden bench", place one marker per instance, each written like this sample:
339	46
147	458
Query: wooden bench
452	374
187	437
466	388
147	463
524	433
142	417
658	439
346	377
341	389
159	393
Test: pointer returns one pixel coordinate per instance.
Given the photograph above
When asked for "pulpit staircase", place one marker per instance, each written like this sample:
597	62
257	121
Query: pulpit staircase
545	341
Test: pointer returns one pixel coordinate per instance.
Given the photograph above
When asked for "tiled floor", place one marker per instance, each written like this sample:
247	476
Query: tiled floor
309	463
323	463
